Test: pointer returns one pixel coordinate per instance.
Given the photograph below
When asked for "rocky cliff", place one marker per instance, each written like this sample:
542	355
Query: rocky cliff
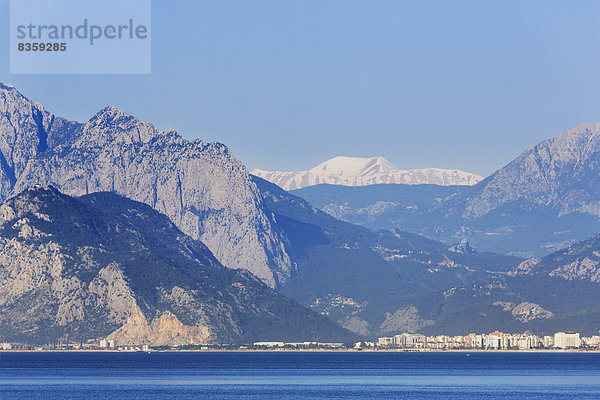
201	186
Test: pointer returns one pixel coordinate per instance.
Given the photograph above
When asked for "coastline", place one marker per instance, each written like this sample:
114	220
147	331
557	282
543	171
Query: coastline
531	351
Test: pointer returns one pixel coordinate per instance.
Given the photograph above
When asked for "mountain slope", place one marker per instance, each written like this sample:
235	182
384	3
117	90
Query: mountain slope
563	172
380	283
103	265
544	200
578	262
355	171
200	186
374	282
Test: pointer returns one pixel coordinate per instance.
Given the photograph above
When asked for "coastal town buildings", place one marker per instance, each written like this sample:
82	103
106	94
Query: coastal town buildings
494	341
491	341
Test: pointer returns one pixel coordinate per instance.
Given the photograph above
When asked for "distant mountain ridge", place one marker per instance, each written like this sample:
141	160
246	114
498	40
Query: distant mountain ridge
544	200
356	171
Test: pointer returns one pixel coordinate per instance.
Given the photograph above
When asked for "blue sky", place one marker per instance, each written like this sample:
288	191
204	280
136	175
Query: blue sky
288	84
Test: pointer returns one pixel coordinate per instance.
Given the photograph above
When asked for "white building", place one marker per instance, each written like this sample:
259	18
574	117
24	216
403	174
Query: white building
269	344
526	342
567	340
593	341
548	341
331	345
475	341
493	341
409	340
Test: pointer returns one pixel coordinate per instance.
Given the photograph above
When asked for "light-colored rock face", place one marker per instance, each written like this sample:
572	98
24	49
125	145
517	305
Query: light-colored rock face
462	247
525	312
587	269
526	267
356	325
404	319
110	290
36	266
38	269
562	172
23	127
163	330
578	262
205	191
355	171
344	310
506	305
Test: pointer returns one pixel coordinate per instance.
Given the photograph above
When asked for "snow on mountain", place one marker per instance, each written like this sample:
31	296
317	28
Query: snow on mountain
542	201
356	171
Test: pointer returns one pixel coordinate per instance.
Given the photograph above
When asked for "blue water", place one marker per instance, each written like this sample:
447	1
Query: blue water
274	375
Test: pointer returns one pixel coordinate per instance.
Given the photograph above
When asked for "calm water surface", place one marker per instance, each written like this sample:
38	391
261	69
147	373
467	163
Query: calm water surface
273	375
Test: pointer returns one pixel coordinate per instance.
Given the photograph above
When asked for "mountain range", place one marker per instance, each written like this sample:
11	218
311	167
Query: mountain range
544	200
105	266
371	282
389	281
355	171
200	186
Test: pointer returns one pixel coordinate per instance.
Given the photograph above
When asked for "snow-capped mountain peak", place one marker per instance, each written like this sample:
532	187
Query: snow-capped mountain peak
354	166
357	171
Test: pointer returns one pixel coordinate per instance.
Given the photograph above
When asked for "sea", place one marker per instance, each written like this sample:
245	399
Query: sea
299	375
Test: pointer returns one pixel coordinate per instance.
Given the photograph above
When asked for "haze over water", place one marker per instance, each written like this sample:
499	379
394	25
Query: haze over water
304	375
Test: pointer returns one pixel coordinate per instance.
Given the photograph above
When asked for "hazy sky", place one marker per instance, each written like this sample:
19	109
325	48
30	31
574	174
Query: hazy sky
288	84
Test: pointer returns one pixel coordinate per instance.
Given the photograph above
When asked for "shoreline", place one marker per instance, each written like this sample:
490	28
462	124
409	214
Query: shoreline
531	351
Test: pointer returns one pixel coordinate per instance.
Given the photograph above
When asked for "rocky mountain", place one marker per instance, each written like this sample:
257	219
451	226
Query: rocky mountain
200	186
567	282
578	262
376	283
385	282
355	171
105	266
462	247
371	282
544	200
563	172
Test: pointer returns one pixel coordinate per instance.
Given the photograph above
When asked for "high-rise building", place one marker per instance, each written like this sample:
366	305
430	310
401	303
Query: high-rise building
548	341
566	340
